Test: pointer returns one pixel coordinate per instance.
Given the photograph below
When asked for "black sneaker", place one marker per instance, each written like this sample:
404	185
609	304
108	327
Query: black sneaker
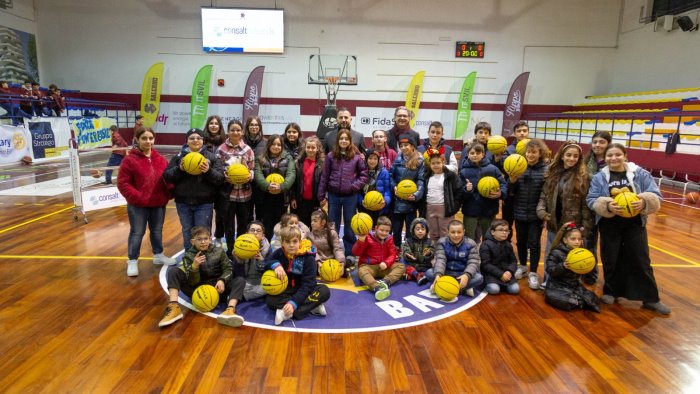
421	279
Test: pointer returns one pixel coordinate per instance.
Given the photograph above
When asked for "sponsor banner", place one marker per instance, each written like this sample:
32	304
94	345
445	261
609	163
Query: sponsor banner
92	132
415	90
49	137
200	97
368	119
150	94
100	198
251	95
464	106
174	118
14	143
514	104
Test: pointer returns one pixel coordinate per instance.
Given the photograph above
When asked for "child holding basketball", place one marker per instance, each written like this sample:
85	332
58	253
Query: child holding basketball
274	199
326	240
443	193
482	132
288	220
203	264
458	256
564	289
379	180
296	260
525	193
498	262
417	252
478	210
408	166
376	258
252	269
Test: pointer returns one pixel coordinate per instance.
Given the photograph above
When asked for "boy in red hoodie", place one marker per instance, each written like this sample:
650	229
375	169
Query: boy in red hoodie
376	257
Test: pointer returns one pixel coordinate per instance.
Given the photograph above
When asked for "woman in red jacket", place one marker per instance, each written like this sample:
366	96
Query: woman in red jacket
141	183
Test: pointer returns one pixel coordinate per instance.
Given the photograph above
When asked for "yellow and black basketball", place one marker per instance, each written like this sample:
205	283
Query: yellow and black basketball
271	284
487	185
205	298
580	260
331	270
625	200
361	223
246	246
275	178
446	287
238	174
406	188
497	144
515	165
191	162
373	200
520	147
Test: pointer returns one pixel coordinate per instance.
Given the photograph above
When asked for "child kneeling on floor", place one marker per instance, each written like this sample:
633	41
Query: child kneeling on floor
376	258
458	256
296	259
498	262
203	264
564	289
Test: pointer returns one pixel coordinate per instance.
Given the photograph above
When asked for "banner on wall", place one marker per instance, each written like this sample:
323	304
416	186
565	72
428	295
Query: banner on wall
49	137
14	144
415	91
150	94
514	104
92	132
251	95
200	97
175	117
464	106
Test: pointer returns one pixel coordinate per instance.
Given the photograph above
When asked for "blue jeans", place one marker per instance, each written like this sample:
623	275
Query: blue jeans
138	219
495	288
191	216
114	160
348	206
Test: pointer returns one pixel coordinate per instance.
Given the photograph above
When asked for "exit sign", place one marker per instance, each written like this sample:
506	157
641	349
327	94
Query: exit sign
470	49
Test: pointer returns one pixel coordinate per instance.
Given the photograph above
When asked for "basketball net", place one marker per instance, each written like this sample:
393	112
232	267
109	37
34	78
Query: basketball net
331	89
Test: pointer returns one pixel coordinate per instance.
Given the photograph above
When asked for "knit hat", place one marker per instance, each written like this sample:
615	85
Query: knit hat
410	138
195	131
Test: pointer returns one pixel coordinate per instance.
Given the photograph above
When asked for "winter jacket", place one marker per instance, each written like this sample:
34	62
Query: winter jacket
216	266
526	192
464	158
252	269
373	251
258	146
418	247
195	189
293	150
497	257
283	165
324	251
393	134
450	158
462	258
473	204
344	177
298	190
399	172
573	208
140	179
560	276
642	183
453	188
381	182
300	268
592	166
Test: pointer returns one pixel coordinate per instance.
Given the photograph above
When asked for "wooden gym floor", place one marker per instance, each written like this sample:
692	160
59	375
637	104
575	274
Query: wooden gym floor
72	321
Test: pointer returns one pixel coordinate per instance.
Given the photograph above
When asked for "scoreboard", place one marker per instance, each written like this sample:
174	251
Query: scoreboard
470	49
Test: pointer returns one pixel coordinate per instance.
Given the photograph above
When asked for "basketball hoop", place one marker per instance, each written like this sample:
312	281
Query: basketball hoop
331	89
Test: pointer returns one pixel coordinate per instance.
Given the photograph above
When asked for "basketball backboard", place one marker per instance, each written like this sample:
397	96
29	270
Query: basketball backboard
340	67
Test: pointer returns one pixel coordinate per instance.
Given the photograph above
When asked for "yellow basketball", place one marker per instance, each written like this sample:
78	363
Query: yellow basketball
581	260
406	188
238	174
276	178
497	144
205	298
446	287
515	165
373	200
191	162
624	200
271	284
520	147
331	270
246	246
361	223
487	185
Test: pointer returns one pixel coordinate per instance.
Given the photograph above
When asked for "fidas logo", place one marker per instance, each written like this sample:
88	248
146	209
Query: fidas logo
353	308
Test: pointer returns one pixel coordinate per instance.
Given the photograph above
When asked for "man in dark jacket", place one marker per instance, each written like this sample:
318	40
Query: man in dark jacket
344	121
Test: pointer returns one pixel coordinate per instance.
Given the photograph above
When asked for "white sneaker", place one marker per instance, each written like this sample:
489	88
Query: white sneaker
469	292
280	317
161	259
520	272
132	268
532	281
319	310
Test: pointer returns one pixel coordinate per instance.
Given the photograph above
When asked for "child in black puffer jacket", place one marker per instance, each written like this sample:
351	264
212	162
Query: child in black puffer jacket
498	263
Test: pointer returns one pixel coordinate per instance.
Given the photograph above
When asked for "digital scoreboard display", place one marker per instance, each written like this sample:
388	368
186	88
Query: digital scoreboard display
470	49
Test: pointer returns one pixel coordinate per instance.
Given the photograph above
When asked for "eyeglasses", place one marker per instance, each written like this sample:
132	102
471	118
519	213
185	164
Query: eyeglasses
202	239
255	230
194	138
503	230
